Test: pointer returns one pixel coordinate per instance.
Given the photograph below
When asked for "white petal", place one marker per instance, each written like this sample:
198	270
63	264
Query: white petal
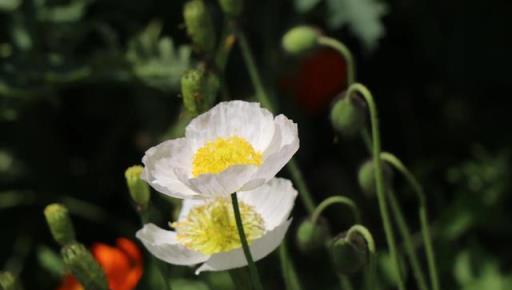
277	160
240	118
162	244
162	161
273	201
260	248
223	183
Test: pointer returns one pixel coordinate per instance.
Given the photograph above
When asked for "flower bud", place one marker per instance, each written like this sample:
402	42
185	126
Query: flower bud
139	190
59	222
199	25
311	237
366	177
232	8
350	252
300	39
84	267
198	89
8	281
348	115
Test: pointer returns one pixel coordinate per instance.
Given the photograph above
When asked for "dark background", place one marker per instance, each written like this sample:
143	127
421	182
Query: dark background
440	76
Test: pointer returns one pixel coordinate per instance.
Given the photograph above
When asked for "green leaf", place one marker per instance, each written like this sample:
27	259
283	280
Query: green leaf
363	17
155	60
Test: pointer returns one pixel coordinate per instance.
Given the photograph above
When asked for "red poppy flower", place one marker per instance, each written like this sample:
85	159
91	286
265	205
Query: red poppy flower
122	265
320	76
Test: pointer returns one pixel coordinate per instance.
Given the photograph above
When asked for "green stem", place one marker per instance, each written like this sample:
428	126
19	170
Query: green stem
390	239
245	246
289	273
336	200
253	71
299	182
425	226
345	53
406	236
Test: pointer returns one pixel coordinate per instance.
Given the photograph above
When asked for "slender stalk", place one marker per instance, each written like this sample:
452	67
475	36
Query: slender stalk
298	180
390	239
245	246
290	275
336	200
425	226
406	236
253	71
345	53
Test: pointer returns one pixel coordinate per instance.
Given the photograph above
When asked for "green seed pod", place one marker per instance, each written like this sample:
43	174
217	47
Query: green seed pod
366	177
84	267
198	89
350	253
300	39
59	222
348	115
9	282
139	190
231	8
311	237
199	26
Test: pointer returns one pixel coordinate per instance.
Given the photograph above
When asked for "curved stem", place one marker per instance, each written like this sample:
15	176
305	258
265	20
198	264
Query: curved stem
406	236
345	53
359	88
425	227
245	246
334	200
253	71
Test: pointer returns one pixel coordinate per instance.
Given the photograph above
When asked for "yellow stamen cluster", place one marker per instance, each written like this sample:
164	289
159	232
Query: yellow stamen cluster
211	228
216	156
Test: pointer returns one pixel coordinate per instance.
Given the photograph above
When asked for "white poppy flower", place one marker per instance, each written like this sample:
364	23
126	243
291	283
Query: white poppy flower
235	146
206	229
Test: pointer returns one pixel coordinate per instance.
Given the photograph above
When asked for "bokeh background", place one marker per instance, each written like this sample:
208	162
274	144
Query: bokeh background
87	86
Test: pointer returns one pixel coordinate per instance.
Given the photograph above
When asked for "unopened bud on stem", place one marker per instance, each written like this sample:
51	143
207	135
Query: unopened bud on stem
84	267
199	26
300	39
348	115
311	237
139	190
198	89
350	252
366	176
59	222
231	8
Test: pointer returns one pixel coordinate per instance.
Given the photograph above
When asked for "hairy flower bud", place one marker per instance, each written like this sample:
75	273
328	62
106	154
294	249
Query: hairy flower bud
350	252
84	267
300	39
232	8
8	282
311	237
348	115
139	190
198	89
59	222
366	177
199	26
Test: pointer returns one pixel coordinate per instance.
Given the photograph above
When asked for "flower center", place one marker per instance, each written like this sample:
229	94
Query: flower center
216	156
211	228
